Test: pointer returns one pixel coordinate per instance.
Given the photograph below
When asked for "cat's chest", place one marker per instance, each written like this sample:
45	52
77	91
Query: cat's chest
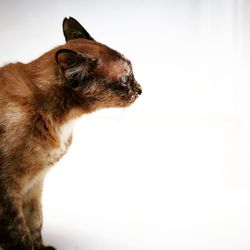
64	138
49	158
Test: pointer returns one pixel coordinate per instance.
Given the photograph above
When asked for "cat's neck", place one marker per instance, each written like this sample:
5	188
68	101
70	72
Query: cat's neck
45	90
43	72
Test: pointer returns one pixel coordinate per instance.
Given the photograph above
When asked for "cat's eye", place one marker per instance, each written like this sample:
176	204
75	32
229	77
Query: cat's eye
124	79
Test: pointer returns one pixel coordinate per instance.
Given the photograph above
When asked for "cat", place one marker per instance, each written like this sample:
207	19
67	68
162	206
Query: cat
39	102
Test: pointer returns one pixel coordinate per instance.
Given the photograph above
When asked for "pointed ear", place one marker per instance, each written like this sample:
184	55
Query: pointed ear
73	30
73	66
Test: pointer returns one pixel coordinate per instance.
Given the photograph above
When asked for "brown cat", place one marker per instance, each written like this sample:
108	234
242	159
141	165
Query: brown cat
38	103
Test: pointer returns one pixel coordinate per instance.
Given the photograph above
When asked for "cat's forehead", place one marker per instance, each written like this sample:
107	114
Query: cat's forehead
117	64
113	64
120	68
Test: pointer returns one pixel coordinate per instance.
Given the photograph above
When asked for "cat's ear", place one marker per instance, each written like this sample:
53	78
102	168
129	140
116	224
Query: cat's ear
73	66
72	29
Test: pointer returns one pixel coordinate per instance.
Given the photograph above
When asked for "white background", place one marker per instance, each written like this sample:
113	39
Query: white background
172	171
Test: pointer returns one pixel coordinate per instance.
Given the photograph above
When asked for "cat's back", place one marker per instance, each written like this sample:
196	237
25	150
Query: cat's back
14	93
14	83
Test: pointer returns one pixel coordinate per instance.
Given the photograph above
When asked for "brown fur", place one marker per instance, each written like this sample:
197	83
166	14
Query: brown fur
38	101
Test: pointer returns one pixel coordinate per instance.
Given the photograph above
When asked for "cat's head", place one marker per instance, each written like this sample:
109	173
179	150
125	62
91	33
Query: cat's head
99	76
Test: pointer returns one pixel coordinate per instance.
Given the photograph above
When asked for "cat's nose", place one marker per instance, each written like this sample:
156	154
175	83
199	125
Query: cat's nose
137	88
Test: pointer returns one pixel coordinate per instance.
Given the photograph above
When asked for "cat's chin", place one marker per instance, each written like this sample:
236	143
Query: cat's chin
131	99
128	103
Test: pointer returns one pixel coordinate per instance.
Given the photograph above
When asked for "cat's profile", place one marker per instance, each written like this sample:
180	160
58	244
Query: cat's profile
39	102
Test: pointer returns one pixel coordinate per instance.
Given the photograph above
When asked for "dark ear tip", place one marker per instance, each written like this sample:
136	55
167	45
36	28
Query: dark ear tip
67	19
70	21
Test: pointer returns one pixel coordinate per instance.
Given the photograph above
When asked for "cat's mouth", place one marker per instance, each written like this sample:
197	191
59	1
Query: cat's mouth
134	94
128	94
133	97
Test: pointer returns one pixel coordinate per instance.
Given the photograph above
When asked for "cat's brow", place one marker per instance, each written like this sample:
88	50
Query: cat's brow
127	66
